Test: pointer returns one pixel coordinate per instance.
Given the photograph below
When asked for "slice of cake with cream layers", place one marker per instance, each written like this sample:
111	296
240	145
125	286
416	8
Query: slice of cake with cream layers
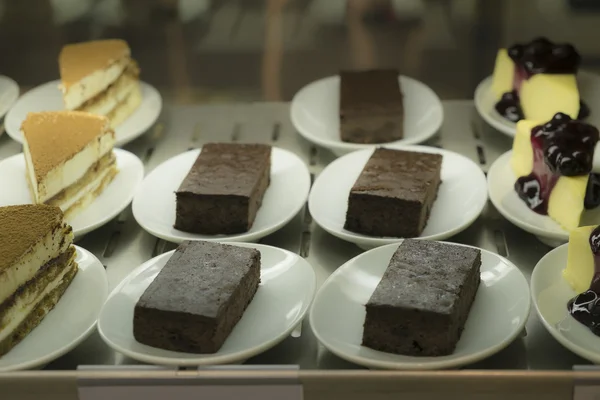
536	80
68	158
36	267
552	161
100	77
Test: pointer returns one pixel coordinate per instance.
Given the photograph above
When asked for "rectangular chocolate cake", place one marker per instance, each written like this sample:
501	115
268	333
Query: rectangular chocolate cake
224	189
422	302
198	297
394	193
371	107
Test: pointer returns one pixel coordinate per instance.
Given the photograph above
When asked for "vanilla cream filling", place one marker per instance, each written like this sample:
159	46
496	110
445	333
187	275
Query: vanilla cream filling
68	173
96	82
89	188
29	265
24	305
108	103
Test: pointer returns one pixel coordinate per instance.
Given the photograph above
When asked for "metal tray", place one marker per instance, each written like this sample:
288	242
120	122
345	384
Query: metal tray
121	245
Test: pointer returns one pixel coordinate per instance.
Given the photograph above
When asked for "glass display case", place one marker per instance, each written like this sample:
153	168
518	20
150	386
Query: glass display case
267	72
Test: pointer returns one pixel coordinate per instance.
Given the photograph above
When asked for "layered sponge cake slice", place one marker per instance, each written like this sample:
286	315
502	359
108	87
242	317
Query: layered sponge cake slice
100	77
69	158
36	267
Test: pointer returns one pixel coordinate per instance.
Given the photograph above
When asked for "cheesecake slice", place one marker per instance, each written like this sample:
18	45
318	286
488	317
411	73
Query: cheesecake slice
69	158
552	161
537	80
100	77
36	267
583	275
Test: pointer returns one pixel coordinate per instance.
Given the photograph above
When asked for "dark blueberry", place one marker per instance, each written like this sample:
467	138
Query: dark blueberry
592	193
529	190
595	240
584	110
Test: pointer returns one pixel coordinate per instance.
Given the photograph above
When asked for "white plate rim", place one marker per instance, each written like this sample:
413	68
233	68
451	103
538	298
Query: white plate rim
340	146
500	161
238	238
119	153
568	344
380	241
211	359
84	335
429	365
119	140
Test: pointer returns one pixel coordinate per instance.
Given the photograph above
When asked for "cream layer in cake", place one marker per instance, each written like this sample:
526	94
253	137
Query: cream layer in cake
89	68
53	243
25	302
126	107
79	195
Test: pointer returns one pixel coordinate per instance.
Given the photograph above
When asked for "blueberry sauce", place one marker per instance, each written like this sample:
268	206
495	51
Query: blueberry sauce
585	307
510	107
540	56
592	192
561	146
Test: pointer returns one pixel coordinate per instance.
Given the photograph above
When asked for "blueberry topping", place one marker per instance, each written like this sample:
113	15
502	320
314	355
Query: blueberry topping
543	56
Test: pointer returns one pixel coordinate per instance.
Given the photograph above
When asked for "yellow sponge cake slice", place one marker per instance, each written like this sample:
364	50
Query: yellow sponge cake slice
552	162
580	259
538	78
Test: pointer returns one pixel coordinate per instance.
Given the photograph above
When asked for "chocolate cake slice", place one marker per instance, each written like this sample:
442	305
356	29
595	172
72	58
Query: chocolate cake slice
224	189
394	193
371	107
198	297
422	302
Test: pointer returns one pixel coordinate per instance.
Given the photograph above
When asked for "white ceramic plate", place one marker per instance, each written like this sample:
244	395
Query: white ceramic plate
105	207
461	196
551	293
497	316
154	204
315	114
9	93
69	323
285	293
485	102
501	180
47	97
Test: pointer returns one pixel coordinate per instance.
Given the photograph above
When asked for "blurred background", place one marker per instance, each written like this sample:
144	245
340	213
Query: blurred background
265	50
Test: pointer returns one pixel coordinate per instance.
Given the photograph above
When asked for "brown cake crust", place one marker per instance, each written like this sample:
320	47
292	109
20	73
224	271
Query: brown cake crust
394	193
371	106
423	300
224	189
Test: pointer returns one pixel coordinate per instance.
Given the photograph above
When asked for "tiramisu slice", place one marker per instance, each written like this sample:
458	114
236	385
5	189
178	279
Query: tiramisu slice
69	158
100	77
36	267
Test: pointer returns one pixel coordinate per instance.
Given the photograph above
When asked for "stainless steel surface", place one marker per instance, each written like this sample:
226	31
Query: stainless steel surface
121	245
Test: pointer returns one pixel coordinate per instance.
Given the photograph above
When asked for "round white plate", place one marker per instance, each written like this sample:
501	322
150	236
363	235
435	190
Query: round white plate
47	97
501	181
154	204
315	114
285	293
485	102
551	293
69	323
462	191
9	93
497	316
114	199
